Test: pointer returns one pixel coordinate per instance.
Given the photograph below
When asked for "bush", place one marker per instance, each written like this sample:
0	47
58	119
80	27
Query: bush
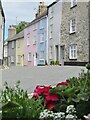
18	106
88	66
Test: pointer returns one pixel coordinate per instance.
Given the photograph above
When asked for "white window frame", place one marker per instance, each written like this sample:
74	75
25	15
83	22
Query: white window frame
73	24
51	12
28	41
34	27
18	43
50	52
73	3
41	24
41	37
13	44
12	59
42	55
29	56
73	51
51	31
34	40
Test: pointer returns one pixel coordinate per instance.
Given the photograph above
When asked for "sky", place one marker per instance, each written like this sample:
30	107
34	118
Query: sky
20	10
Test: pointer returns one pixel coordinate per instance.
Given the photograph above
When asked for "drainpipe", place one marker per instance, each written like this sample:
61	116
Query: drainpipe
89	28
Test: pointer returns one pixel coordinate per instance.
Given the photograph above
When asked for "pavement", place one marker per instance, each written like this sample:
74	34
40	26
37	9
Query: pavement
30	77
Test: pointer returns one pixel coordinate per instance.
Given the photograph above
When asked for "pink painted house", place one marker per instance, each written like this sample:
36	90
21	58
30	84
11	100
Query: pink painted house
30	44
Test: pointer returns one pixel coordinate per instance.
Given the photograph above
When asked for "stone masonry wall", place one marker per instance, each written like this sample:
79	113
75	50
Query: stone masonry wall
82	30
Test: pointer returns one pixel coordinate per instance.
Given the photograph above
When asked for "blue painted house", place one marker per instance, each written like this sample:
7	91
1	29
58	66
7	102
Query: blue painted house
42	40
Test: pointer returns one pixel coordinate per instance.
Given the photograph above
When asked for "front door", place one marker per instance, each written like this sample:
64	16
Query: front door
35	59
9	61
57	53
62	55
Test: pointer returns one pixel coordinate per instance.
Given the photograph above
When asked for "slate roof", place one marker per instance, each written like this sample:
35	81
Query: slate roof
37	19
17	36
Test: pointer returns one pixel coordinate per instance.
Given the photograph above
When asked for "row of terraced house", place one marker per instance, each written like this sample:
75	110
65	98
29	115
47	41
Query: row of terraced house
60	33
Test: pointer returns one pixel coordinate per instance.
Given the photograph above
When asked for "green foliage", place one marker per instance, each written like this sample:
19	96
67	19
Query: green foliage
88	66
17	105
77	92
56	62
21	26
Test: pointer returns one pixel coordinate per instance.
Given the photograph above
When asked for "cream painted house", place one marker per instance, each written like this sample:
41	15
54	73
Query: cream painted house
20	50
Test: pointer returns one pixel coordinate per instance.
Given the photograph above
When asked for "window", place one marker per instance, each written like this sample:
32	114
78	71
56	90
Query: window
42	37
35	26
19	59
18	44
51	12
50	52
73	3
41	24
28	42
29	56
41	55
34	40
12	59
12	44
51	31
73	52
73	25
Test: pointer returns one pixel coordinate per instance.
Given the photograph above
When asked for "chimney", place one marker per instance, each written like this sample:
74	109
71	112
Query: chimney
41	9
11	31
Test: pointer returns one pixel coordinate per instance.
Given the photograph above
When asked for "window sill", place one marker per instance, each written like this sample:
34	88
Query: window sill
28	45
41	59
73	6
29	60
41	42
72	32
41	28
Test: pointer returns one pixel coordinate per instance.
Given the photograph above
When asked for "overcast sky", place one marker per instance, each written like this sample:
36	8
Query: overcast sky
20	10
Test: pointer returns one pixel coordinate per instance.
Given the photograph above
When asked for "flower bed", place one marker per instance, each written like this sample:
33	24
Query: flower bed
69	100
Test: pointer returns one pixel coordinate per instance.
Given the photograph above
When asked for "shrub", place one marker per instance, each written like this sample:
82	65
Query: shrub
17	105
88	66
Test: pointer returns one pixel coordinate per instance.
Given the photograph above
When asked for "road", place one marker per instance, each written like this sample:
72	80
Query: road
30	77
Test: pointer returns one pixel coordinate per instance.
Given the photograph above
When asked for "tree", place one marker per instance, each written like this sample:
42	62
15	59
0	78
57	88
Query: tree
21	26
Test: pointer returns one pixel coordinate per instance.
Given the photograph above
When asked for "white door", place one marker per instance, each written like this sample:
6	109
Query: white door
35	59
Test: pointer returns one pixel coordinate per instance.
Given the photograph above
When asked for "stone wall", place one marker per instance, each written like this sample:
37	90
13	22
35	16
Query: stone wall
81	37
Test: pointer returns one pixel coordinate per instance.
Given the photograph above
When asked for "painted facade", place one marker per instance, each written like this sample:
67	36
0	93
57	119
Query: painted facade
11	52
2	27
42	40
20	50
35	38
15	48
30	44
75	33
54	36
5	61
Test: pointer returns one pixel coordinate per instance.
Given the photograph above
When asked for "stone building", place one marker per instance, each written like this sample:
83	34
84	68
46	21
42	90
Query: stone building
75	33
2	27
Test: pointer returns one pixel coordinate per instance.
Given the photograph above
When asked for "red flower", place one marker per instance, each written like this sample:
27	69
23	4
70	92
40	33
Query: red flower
62	83
50	105
51	98
42	89
35	95
39	90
